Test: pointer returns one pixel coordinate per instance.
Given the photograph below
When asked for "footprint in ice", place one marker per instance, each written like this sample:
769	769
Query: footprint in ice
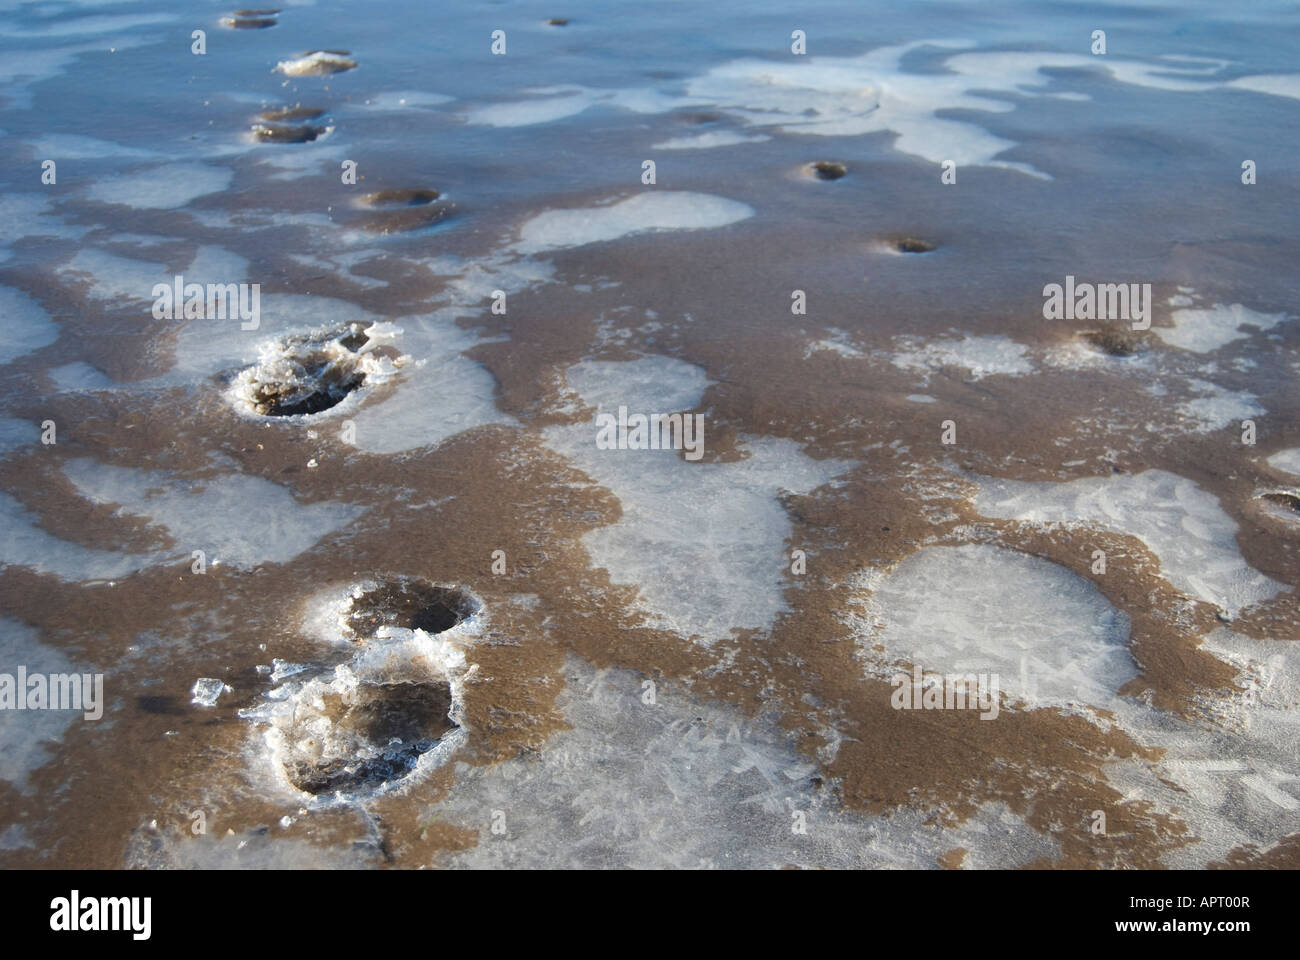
402	210
305	374
317	63
912	245
250	19
1281	505
296	112
826	170
1115	342
410	604
360	727
281	133
288	125
373	734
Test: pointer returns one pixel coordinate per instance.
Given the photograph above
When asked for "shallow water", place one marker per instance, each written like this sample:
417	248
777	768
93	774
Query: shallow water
662	658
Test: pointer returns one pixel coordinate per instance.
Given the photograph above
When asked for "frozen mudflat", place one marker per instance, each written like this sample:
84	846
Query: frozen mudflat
442	621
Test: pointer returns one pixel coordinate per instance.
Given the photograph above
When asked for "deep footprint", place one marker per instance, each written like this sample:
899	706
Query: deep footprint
355	728
409	604
250	19
399	198
317	63
1116	343
827	170
296	112
1281	504
306	374
386	727
912	245
403	210
276	133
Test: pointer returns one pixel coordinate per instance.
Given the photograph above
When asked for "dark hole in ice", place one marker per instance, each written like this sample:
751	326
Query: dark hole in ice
828	170
411	604
355	338
408	218
1289	502
248	23
402	210
1117	343
296	112
400	198
912	245
275	399
313	377
401	721
277	133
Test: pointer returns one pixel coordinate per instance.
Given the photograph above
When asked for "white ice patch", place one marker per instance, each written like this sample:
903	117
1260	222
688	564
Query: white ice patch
1238	784
78	377
708	140
26	736
1287	461
112	278
1275	84
983	356
658	210
704	542
688	785
399	100
1195	541
256	849
856	96
1219	407
442	392
213	264
21	68
16	434
556	103
237	520
168	187
24	325
306	159
837	342
27	215
73	146
89	25
24	544
1047	634
1206	330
